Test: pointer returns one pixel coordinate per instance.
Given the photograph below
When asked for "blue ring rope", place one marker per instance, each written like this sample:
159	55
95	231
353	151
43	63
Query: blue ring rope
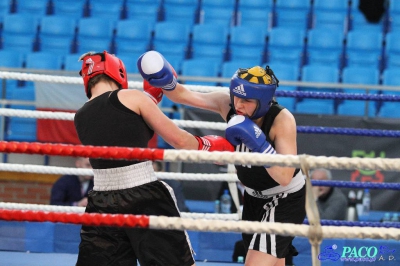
350	184
339	95
349	131
355	223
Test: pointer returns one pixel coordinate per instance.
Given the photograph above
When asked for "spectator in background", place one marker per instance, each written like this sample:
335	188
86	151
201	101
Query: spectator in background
72	190
331	202
176	185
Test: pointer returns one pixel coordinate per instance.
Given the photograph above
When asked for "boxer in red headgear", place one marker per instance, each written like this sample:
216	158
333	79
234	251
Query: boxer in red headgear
256	123
102	63
114	116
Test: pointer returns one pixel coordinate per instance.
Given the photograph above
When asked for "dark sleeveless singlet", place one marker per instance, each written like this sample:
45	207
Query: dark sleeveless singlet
105	121
255	177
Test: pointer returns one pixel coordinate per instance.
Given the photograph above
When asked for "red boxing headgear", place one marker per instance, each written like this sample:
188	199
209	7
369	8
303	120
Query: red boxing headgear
102	63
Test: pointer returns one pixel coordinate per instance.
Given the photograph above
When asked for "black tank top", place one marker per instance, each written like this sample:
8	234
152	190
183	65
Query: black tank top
105	121
255	177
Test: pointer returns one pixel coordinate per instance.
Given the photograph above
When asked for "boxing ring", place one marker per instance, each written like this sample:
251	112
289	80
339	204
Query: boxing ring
313	229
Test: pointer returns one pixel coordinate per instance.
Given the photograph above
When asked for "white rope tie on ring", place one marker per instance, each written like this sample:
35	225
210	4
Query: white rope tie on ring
315	229
162	222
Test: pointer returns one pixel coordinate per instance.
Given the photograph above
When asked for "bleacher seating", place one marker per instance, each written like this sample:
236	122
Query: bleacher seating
183	11
286	45
133	37
57	34
94	34
255	13
361	76
333	14
5	9
200	68
218	12
33	8
230	67
391	77
325	41
149	10
321	74
364	47
209	41
292	36
393	13
358	20
392	50
129	62
73	11
11	59
247	43
389	110
316	107
286	72
325	47
71	62
171	38
19	32
44	60
106	9
292	13
18	128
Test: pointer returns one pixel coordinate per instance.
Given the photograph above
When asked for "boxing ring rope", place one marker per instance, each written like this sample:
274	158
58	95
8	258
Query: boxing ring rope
314	231
139	84
195	156
208	216
29	168
167	223
209	125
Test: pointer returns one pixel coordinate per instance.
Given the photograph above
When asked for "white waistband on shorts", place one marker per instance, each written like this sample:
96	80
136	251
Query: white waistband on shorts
123	177
295	185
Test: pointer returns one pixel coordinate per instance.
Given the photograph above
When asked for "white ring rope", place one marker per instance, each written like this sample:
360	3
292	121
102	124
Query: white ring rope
29	168
199	88
331	162
158	222
70	117
206	223
78	80
313	162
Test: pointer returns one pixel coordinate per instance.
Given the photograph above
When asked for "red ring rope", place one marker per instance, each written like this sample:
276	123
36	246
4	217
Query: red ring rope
82	151
93	219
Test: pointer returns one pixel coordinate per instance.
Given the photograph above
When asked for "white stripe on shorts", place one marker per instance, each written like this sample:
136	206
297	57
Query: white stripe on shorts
273	236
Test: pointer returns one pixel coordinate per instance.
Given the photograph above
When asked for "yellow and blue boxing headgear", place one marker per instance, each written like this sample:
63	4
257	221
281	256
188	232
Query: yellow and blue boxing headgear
254	83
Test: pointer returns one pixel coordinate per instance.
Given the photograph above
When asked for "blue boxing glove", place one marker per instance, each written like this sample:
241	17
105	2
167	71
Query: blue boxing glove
242	130
157	71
